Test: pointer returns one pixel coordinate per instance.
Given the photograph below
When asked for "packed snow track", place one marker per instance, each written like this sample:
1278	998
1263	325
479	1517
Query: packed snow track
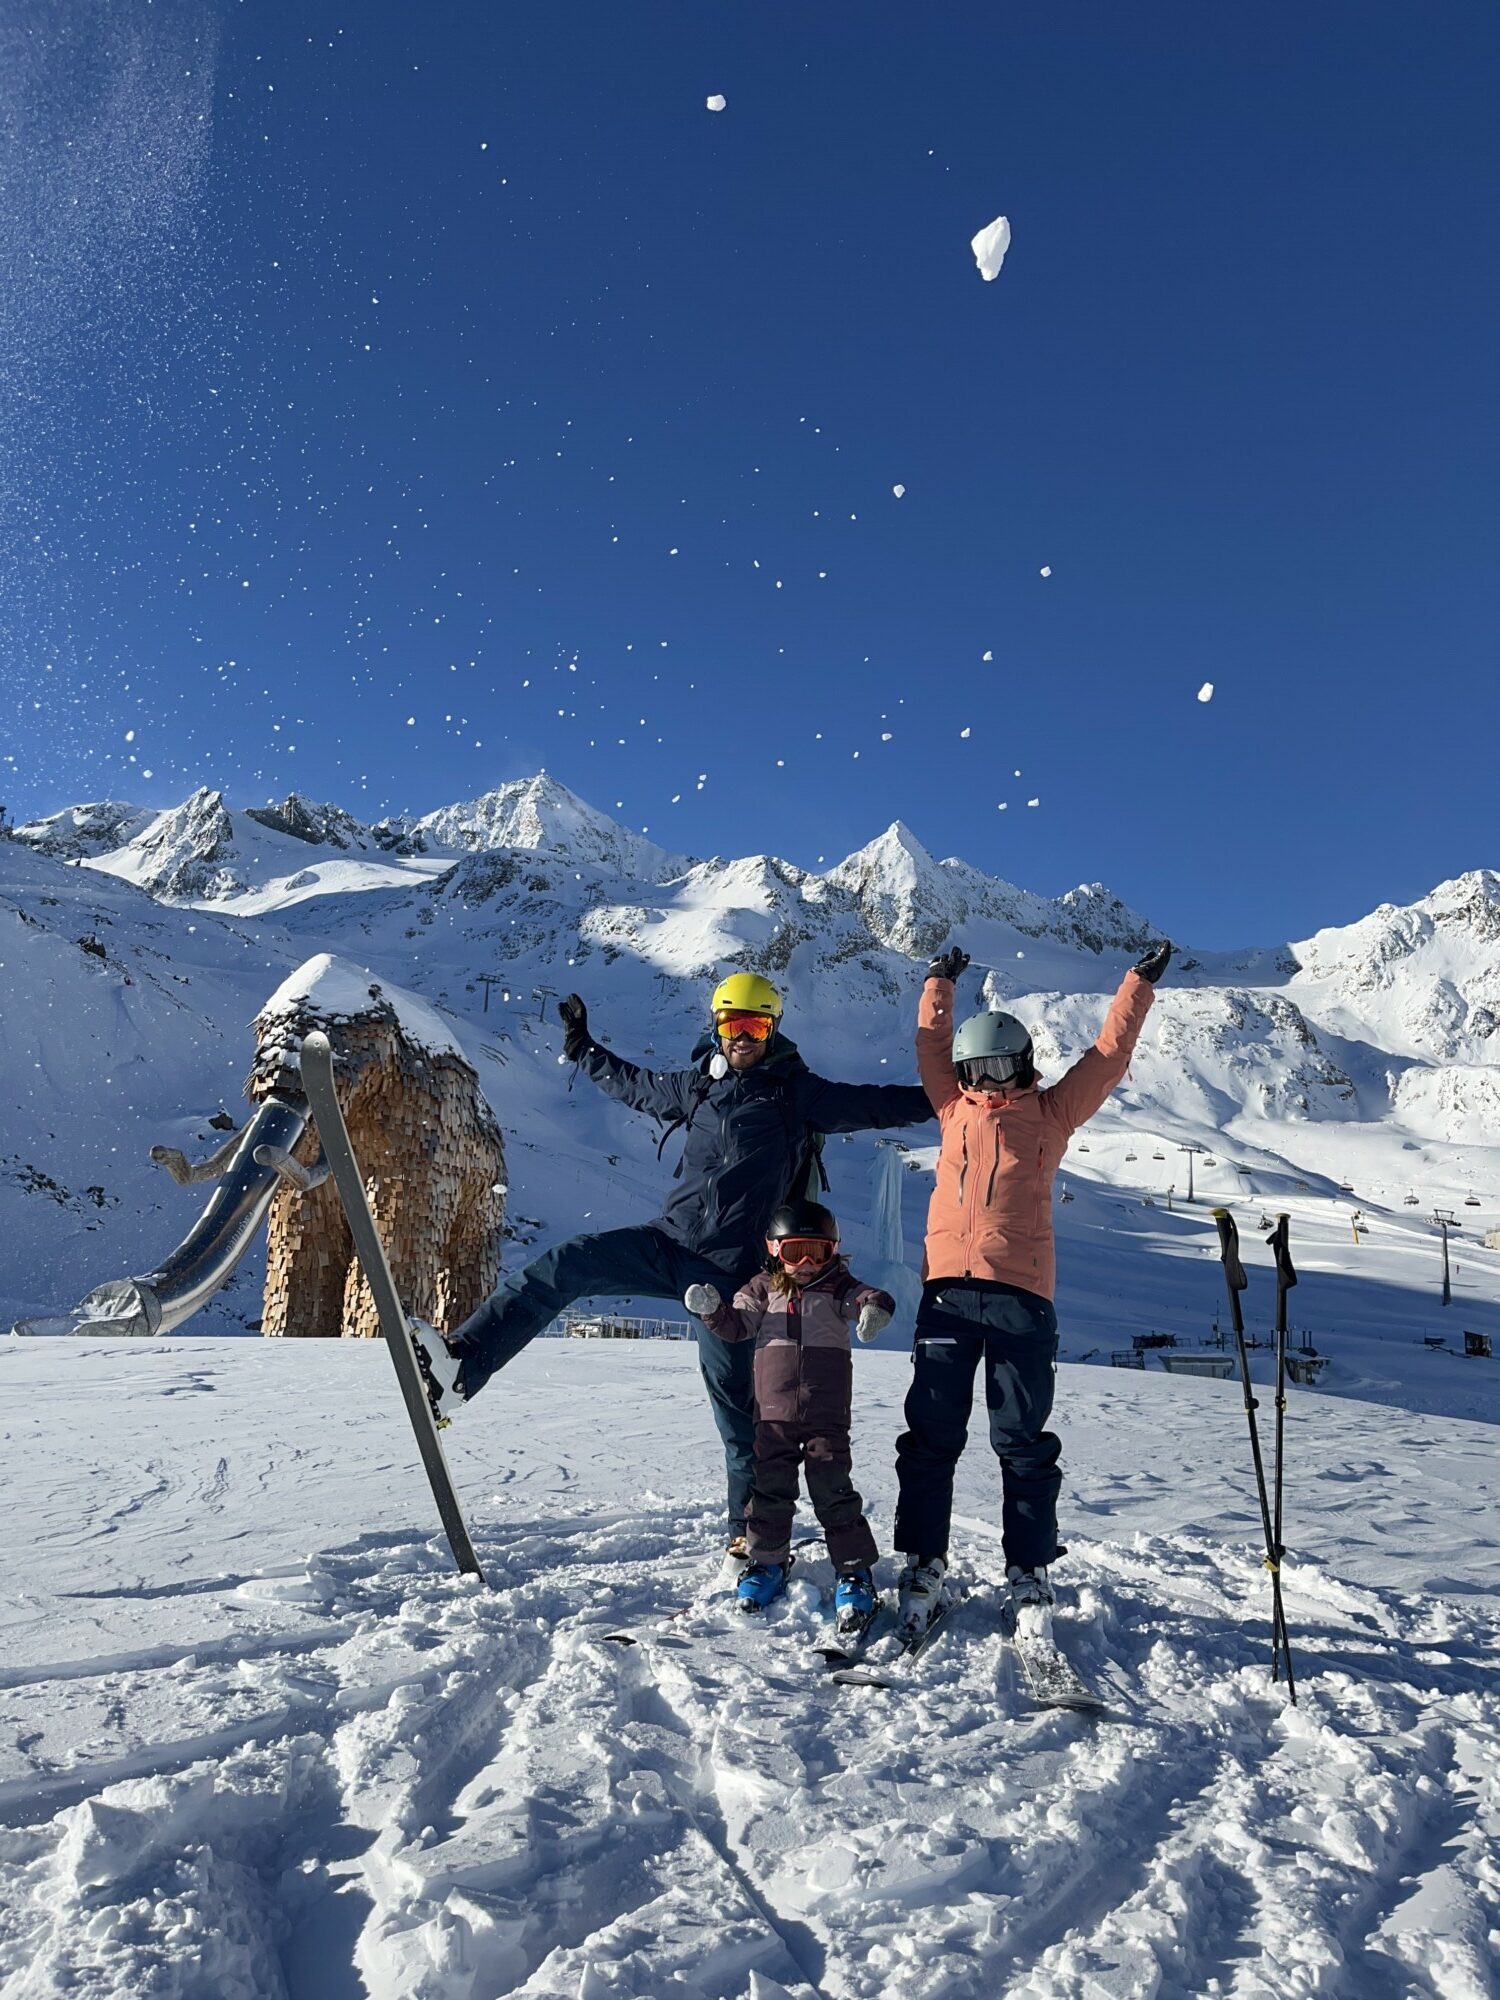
257	1738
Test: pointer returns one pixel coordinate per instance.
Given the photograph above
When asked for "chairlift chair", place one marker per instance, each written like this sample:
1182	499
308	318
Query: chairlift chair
1209	1160
1410	1201
1158	1156
1472	1201
1129	1156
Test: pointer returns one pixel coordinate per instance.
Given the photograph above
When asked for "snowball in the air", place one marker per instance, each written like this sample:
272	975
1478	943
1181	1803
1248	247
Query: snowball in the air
964	733
1206	692
989	656
990	246
1046	569
898	491
715	103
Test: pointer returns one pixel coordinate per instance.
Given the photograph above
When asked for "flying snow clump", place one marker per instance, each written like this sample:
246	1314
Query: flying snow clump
715	103
990	246
1206	692
1045	570
898	491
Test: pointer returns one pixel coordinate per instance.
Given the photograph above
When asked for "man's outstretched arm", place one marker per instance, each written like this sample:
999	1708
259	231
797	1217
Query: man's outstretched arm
862	1107
665	1093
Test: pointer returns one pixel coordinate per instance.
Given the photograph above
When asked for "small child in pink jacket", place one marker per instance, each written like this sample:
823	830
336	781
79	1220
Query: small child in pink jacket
798	1313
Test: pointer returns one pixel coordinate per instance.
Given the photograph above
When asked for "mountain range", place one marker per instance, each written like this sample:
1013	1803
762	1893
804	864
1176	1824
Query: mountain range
1359	1067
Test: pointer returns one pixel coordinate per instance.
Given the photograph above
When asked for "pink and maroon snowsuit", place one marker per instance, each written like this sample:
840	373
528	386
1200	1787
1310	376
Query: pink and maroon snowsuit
804	1383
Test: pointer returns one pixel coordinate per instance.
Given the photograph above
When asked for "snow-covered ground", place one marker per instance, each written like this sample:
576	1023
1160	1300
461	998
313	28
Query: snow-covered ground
256	1738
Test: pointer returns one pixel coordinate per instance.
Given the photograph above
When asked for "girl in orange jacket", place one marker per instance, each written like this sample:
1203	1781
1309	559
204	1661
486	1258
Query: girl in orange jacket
989	1274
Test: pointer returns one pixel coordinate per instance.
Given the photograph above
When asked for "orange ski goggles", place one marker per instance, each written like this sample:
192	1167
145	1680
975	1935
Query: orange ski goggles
802	1249
756	1026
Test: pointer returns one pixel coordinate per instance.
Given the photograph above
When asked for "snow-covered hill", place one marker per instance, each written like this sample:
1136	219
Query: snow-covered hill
1358	1069
258	1740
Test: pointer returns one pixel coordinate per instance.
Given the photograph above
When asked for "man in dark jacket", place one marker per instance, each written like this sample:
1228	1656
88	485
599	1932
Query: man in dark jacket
751	1109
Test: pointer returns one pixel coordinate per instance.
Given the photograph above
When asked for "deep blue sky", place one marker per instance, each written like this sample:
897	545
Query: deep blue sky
388	352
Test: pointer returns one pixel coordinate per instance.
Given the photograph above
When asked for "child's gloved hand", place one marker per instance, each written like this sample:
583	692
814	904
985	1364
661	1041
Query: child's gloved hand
702	1301
872	1321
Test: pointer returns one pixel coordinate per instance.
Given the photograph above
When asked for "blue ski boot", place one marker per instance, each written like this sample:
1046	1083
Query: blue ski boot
760	1583
854	1602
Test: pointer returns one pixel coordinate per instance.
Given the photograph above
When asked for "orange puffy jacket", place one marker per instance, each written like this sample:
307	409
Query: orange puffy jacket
991	1210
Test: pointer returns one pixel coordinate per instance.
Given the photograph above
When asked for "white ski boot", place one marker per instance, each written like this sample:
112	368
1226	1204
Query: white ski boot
920	1593
1029	1606
441	1370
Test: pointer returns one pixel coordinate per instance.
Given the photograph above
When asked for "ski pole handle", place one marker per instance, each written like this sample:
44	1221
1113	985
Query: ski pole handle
1235	1280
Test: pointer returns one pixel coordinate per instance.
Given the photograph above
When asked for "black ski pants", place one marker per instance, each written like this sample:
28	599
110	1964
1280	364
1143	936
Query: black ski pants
962	1323
641	1263
779	1450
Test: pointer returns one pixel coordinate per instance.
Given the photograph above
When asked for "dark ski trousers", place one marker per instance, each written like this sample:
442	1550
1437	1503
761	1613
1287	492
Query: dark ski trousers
961	1323
779	1450
622	1263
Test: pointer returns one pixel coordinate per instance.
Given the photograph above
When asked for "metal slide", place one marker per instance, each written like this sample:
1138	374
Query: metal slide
162	1299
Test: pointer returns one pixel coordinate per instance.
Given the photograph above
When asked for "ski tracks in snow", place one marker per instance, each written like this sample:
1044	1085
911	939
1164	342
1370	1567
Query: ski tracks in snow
405	1785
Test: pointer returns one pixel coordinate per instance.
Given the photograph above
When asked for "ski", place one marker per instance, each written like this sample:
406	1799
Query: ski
1050	1675
846	1648
317	1078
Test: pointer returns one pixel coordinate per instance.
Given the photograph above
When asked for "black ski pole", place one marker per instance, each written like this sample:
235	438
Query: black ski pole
1286	1277
1234	1283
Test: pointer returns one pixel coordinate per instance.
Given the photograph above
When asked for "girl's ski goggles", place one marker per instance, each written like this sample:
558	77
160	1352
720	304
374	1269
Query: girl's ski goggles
803	1249
756	1026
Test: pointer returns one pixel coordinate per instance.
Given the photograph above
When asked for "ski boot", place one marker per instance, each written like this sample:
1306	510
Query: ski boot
442	1371
920	1595
854	1603
1028	1609
760	1583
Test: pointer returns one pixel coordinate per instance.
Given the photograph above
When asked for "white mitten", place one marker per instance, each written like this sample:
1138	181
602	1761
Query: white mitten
702	1301
872	1321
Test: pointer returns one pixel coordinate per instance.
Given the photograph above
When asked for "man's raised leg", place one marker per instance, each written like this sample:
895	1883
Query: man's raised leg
617	1263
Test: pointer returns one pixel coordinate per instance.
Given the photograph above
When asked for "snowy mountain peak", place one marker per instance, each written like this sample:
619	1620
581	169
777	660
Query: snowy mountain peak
318	825
903	894
184	854
541	813
78	833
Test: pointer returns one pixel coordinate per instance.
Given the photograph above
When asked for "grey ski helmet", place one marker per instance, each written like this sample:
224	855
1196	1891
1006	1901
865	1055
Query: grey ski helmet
994	1050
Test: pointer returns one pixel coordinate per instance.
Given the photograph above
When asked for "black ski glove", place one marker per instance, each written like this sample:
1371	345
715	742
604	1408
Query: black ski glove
575	1019
1154	964
950	965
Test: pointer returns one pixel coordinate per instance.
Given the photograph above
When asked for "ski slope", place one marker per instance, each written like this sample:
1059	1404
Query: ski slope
257	1739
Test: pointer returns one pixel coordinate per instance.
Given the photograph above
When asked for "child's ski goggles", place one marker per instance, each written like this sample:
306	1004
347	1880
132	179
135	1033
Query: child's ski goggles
803	1249
756	1026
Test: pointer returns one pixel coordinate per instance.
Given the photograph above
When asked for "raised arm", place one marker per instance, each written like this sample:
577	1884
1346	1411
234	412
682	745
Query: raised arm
1079	1094
935	1043
665	1093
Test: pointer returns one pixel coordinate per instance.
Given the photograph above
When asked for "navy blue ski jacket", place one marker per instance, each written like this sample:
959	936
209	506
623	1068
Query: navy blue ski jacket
748	1134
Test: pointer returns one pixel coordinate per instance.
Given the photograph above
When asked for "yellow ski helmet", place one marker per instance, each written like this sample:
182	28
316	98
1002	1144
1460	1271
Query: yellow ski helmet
746	993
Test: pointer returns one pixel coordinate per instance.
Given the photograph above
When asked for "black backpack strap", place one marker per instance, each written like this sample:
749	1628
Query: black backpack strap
684	1123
